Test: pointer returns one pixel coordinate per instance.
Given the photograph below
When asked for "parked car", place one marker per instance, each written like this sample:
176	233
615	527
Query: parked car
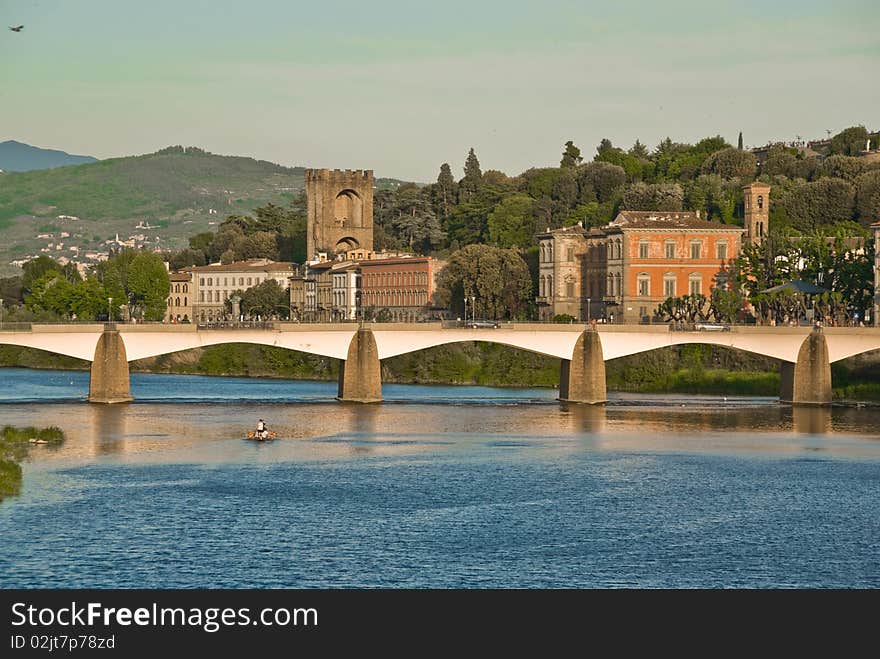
711	327
476	324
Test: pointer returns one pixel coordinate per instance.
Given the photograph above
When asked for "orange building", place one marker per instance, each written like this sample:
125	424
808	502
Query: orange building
623	271
652	256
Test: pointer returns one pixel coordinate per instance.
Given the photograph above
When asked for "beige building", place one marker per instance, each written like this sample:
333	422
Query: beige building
179	307
560	272
212	285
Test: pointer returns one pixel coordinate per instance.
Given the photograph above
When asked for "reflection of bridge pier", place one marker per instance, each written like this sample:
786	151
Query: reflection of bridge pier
811	420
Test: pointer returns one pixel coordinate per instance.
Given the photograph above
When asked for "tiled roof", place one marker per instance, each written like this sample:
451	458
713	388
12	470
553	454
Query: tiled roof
666	220
243	266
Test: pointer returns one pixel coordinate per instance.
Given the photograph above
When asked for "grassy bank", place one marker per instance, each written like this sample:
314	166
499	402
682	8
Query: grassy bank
682	369
15	443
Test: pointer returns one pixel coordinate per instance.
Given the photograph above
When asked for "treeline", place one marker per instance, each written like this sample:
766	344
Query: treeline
48	291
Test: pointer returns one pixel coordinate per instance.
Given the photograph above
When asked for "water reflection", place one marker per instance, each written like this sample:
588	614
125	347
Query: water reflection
811	420
107	427
585	418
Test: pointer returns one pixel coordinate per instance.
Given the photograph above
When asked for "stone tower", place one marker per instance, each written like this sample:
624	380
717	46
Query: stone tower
756	198
340	210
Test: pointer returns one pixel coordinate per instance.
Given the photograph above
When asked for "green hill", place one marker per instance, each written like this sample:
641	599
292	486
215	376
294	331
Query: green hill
177	192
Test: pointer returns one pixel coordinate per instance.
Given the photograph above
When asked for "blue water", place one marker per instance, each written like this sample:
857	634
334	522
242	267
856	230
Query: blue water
669	492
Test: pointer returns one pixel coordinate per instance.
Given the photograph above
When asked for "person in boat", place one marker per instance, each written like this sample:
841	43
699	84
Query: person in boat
262	430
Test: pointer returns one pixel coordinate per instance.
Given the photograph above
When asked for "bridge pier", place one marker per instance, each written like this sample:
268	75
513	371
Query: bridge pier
360	375
808	381
109	382
582	378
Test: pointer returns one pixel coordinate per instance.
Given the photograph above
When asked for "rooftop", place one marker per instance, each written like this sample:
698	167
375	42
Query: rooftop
666	220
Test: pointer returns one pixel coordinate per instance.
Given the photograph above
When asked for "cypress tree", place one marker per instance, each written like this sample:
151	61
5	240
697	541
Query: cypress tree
739	144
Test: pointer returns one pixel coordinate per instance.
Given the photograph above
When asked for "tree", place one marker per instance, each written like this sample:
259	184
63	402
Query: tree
820	203
445	190
599	181
512	222
639	151
850	141
148	286
473	176
868	196
845	167
36	268
731	163
497	278
654	197
739	141
262	244
571	157
413	220
266	299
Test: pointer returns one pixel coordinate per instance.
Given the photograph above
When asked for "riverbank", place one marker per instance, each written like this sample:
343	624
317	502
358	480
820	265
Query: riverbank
683	369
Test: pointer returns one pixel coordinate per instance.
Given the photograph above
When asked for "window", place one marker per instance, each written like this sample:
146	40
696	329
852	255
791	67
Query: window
184	288
695	284
549	287
569	289
225	281
249	281
201	296
721	250
760	202
185	303
201	281
643	249
644	284
570	254
696	249
670	249
669	285
241	281
541	286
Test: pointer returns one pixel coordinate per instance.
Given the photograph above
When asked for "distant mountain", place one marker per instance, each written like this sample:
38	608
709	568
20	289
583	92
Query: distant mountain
19	157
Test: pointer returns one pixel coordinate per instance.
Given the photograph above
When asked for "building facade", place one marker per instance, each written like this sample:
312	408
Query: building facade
212	285
179	307
623	271
339	211
393	289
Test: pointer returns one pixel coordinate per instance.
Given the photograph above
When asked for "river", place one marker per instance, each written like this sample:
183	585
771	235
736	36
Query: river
465	487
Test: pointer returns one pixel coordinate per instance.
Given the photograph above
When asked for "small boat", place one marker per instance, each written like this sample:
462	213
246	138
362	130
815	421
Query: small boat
266	436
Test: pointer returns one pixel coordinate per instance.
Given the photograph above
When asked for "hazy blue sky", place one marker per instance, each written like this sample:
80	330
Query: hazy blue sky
402	86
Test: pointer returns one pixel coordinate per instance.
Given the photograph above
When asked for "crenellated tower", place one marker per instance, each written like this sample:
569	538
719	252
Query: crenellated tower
340	210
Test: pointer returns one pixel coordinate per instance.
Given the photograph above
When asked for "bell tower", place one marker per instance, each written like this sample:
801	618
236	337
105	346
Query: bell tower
756	198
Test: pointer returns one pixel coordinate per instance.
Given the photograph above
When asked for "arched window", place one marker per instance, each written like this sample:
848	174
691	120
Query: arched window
184	288
184	302
760	202
549	286
177	302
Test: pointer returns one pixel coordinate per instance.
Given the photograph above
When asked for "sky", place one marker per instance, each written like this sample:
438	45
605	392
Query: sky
401	87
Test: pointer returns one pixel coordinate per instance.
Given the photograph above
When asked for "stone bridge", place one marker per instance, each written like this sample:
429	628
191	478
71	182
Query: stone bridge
805	354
